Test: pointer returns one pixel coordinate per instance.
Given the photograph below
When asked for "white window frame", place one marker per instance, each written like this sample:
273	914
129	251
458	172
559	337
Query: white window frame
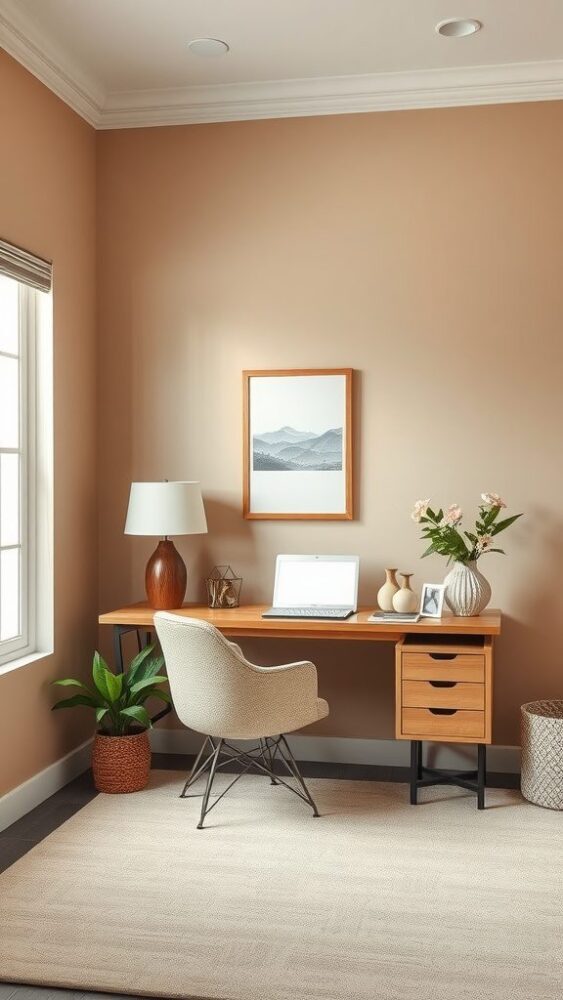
35	449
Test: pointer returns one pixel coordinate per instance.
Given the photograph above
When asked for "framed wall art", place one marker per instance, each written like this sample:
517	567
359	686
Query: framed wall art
297	444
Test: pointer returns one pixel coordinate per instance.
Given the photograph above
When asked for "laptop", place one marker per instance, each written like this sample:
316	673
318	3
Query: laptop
315	587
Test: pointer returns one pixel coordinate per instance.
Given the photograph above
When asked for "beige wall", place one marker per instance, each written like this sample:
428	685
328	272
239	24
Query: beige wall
47	205
421	248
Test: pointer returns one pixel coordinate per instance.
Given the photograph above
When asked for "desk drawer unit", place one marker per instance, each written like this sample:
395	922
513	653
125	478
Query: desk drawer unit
443	693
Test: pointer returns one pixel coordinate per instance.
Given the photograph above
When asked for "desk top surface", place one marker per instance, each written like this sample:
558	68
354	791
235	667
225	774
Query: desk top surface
247	621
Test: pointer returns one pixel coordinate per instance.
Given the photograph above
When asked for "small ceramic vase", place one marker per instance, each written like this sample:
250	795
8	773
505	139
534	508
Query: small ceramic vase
405	600
385	593
467	591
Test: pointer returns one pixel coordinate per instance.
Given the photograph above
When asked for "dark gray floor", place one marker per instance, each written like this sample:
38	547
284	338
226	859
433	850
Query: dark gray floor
19	838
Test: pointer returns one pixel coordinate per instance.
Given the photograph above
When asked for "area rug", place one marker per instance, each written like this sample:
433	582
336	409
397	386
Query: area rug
375	900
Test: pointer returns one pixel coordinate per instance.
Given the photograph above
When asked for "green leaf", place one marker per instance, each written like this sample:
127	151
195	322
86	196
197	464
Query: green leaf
70	682
147	682
472	538
138	661
77	699
490	516
427	551
149	692
114	685
100	712
100	674
502	525
138	713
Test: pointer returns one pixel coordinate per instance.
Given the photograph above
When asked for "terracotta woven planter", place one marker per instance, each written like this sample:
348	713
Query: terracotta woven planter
121	763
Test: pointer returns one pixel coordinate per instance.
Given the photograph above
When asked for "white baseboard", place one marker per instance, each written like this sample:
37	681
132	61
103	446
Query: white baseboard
341	750
34	791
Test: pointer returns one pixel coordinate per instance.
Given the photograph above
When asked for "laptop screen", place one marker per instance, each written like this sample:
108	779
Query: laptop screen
316	581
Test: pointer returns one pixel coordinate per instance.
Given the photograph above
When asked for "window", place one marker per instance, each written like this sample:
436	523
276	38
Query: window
24	489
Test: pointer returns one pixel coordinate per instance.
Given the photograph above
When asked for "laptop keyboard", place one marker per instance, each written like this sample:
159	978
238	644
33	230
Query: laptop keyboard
310	612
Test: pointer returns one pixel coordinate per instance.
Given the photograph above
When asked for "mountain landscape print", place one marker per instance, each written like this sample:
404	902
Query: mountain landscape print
291	450
298	444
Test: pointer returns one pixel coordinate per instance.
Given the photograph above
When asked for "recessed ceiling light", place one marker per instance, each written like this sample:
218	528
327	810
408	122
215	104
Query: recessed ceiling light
208	47
458	27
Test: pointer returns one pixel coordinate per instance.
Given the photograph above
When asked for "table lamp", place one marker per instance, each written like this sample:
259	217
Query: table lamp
165	509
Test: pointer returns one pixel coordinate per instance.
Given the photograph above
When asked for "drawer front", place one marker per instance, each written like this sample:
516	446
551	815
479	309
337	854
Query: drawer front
425	723
443	667
443	694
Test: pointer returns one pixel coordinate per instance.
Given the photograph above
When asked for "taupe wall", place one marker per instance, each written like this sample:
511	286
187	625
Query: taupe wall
47	204
421	248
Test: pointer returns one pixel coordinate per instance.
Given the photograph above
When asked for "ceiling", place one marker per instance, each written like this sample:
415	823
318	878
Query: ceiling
126	62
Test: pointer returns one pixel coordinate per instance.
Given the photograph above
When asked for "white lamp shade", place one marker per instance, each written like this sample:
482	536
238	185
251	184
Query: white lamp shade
165	509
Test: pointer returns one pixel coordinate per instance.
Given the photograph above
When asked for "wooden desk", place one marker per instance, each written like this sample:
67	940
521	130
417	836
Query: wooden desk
444	671
247	621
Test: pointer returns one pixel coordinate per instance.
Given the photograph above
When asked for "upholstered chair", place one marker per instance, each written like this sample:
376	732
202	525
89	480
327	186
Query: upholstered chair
217	692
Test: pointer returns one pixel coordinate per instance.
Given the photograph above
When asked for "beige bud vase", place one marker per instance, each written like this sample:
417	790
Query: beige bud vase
405	600
386	592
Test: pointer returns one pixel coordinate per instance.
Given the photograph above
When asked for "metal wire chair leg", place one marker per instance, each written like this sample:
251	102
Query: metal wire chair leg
293	767
196	768
266	755
210	778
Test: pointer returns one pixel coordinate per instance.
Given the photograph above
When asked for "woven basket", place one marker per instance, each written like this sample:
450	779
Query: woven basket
121	763
542	753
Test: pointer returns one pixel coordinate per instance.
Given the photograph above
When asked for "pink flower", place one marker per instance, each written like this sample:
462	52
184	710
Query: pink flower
492	500
453	514
420	508
484	543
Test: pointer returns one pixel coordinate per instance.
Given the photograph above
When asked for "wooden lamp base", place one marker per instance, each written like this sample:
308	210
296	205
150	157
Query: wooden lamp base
166	577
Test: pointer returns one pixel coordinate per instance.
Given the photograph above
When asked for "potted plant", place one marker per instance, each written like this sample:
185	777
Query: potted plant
121	755
467	591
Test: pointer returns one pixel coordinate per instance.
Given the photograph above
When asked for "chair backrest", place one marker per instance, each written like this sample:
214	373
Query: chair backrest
212	686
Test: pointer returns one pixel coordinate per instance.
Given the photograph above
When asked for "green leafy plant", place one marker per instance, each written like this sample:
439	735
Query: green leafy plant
443	529
119	699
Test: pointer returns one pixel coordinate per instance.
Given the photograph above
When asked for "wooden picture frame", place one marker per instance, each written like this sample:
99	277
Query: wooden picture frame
307	477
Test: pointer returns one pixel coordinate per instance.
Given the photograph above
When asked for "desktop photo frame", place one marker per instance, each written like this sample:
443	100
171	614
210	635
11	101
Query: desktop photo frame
432	600
297	444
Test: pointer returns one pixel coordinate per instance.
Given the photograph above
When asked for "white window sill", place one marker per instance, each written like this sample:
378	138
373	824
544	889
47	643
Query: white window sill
24	661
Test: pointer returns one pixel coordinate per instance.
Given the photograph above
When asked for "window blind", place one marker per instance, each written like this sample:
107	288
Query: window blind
26	267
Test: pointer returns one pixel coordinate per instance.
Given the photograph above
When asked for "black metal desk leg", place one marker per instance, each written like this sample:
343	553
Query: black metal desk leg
117	650
481	774
419	765
118	632
416	755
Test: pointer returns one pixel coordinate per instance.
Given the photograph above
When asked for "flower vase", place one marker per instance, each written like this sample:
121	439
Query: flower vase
405	600
386	592
467	590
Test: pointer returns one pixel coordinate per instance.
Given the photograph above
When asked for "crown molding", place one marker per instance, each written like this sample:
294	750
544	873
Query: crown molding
437	88
20	38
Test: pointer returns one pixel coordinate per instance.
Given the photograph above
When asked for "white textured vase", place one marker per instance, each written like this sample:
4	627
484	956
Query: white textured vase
467	590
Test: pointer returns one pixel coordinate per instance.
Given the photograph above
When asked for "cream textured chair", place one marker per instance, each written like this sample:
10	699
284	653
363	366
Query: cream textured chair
219	693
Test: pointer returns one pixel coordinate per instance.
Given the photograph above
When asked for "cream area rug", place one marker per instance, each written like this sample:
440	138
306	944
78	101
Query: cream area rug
375	900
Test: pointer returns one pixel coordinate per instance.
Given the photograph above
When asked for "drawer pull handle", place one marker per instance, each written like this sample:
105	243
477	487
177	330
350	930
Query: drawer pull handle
443	656
443	711
443	684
